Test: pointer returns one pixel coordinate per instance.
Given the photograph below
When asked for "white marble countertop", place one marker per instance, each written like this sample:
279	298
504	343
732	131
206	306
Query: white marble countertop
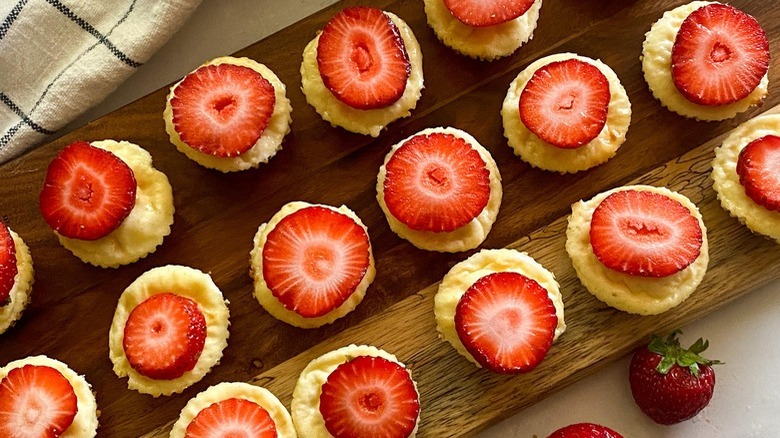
747	393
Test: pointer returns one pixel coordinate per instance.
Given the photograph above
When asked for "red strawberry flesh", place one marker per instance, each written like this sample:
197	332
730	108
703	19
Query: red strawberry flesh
719	56
36	402
8	265
362	59
436	182
507	322
565	103
369	397
164	336
481	13
314	259
758	168
87	193
645	234
232	418
585	430
222	110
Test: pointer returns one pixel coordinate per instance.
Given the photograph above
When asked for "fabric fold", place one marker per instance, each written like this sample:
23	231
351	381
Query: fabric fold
59	58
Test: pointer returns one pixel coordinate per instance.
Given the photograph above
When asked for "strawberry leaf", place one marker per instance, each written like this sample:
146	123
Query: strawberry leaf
672	353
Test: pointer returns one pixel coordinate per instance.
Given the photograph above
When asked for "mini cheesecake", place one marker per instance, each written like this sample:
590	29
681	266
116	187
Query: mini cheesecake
363	70
483	30
106	203
311	263
230	114
169	329
746	174
356	390
566	113
639	249
440	190
16	277
234	409
500	309
707	60
43	397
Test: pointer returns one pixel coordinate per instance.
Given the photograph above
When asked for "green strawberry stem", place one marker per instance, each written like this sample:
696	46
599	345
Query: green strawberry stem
673	353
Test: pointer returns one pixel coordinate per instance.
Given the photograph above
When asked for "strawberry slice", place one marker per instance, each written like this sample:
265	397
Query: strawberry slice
87	193
369	397
222	110
362	59
36	402
164	336
233	417
314	259
507	322
8	267
644	233
482	13
719	56
565	103
585	430
436	182
758	168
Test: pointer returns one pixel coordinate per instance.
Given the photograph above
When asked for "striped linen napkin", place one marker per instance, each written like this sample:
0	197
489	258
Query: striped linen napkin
58	58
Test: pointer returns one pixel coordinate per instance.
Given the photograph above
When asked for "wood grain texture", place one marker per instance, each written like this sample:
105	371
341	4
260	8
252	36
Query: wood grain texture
217	215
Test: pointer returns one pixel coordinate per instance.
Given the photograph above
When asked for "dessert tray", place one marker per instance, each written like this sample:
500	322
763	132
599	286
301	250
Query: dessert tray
217	215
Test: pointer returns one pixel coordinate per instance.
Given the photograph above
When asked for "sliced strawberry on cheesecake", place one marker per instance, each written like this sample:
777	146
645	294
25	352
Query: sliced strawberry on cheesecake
758	168
222	110
164	336
507	322
565	103
362	59
370	396
87	193
481	13
719	56
314	259
436	182
8	265
234	417
36	402
644	233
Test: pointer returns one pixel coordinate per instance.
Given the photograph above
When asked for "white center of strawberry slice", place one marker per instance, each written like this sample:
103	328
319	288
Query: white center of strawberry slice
314	259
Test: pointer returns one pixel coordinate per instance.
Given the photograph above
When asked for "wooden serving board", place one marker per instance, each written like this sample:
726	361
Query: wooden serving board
217	216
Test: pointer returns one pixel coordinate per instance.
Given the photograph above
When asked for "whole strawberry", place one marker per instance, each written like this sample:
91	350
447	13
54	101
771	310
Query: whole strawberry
669	383
585	430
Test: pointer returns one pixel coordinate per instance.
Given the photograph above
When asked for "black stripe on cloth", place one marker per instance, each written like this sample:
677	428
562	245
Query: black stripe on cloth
11	17
88	27
10	104
10	134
